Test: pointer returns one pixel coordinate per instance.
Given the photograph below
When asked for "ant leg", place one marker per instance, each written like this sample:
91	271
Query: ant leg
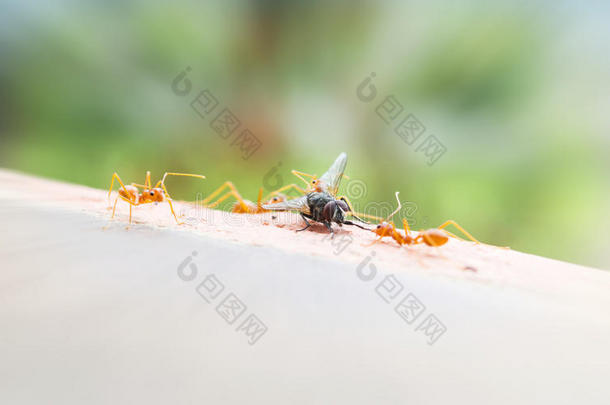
171	207
347	201
162	181
114	206
375	241
358	214
452	235
168	198
312	177
397	236
233	192
289	187
147	183
419	239
260	198
300	174
383	235
405	226
131	203
452	222
228	194
113	211
306	221
330	229
115	175
216	192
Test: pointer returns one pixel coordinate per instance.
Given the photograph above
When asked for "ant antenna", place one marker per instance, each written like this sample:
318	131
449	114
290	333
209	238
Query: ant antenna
179	174
163	179
397	209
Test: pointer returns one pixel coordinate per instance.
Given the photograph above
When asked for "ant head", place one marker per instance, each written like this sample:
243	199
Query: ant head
276	199
383	228
152	195
316	185
157	194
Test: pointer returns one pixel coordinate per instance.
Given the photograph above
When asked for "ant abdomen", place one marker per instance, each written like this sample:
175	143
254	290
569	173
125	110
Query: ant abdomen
434	237
130	193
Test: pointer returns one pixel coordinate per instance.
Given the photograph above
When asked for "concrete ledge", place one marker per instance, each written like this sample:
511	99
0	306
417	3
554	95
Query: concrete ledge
94	312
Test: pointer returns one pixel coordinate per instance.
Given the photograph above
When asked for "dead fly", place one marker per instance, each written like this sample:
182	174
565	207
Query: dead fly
431	237
242	206
322	206
327	183
132	194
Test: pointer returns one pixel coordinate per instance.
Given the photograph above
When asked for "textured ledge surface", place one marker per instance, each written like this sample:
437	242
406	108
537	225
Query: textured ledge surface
94	312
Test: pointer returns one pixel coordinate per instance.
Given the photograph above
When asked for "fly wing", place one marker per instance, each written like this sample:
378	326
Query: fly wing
331	179
297	204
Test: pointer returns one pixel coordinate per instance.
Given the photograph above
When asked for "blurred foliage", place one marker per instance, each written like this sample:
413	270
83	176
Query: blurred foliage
86	91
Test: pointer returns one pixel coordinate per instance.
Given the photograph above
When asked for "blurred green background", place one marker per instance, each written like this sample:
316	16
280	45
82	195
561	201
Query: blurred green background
517	92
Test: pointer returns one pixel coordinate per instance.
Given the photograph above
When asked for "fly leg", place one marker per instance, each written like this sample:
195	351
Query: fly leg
330	229
306	221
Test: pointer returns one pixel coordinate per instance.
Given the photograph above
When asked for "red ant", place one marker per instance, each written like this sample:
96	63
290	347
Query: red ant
132	195
432	237
242	206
